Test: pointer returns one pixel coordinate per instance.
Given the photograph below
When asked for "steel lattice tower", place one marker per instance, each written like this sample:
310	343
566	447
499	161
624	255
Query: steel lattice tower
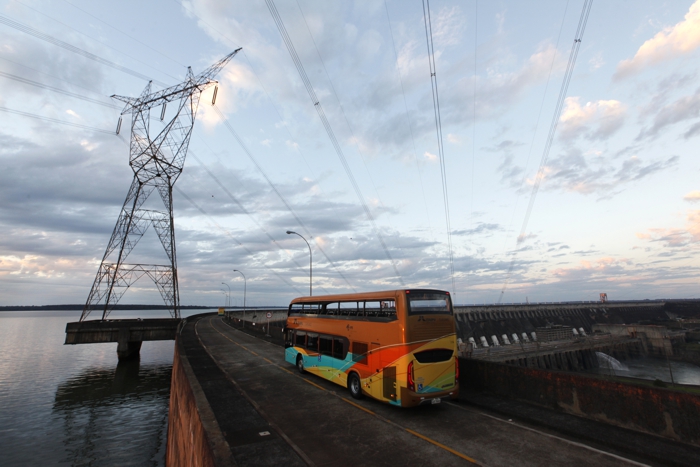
157	163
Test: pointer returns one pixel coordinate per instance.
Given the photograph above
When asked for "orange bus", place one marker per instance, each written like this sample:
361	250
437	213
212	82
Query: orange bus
397	346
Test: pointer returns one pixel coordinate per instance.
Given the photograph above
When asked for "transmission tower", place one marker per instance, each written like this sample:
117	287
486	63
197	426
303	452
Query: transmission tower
157	163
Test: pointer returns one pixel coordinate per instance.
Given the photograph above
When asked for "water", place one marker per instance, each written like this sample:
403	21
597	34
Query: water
73	404
607	362
651	369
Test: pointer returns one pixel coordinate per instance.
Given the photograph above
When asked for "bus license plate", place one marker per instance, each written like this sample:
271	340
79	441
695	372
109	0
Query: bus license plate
436	401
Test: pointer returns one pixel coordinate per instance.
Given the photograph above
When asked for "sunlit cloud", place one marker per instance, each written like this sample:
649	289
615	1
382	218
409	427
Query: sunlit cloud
595	120
692	197
671	42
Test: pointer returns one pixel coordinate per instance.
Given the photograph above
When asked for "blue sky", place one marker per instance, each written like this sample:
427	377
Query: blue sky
617	210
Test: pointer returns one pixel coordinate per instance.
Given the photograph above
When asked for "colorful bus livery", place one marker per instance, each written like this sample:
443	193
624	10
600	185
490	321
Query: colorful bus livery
396	346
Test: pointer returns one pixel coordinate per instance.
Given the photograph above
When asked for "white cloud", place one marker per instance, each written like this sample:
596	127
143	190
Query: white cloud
596	61
430	157
595	120
693	196
454	139
266	142
671	42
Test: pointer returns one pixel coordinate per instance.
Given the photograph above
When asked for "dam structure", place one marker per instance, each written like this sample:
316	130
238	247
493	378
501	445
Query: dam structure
235	401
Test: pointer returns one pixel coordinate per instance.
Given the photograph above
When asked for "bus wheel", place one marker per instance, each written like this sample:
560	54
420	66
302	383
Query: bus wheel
354	386
300	364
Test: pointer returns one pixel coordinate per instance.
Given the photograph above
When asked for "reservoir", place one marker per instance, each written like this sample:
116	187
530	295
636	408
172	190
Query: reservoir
73	404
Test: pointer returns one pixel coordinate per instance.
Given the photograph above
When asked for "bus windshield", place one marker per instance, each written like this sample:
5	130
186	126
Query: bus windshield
428	303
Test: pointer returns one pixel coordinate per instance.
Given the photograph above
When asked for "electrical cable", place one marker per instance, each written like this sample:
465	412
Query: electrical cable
228	126
326	124
251	253
54	120
552	130
127	35
58	90
71	48
438	129
306	230
238	203
410	124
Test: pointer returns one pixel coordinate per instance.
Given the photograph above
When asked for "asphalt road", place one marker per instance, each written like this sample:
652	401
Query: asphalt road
325	426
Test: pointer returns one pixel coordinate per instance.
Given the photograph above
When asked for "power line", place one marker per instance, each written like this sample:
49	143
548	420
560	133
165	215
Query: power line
238	203
71	48
438	129
58	90
54	120
552	130
274	188
251	253
123	33
306	230
326	124
408	119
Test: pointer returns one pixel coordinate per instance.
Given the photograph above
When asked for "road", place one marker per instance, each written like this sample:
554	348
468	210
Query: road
325	426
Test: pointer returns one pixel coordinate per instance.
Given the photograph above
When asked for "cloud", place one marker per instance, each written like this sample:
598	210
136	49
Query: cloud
692	131
671	42
481	228
454	139
676	237
693	196
430	157
572	171
684	108
595	120
448	27
603	267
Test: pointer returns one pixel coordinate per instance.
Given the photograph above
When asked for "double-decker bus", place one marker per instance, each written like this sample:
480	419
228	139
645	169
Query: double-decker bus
397	346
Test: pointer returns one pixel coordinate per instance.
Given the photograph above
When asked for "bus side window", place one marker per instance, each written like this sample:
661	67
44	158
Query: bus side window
312	342
348	308
300	339
340	347
325	345
359	353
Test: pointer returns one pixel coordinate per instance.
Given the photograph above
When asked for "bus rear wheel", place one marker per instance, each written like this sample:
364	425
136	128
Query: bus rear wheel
300	364
354	386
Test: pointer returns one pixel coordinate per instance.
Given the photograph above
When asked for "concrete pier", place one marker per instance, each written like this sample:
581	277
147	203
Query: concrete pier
129	334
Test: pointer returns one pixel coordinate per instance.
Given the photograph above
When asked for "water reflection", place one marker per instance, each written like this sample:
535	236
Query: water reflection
114	416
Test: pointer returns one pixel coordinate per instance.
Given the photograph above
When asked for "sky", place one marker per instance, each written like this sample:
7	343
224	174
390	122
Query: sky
615	207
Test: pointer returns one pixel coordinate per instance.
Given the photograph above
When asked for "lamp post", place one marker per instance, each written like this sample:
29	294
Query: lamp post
289	232
228	297
245	286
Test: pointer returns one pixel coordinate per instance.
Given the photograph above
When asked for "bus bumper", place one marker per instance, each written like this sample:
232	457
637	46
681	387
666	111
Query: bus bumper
412	399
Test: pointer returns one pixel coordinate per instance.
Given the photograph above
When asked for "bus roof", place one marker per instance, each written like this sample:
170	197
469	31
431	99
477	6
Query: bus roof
386	294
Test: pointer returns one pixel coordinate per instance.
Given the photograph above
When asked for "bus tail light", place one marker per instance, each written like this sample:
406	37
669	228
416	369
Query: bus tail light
409	377
456	369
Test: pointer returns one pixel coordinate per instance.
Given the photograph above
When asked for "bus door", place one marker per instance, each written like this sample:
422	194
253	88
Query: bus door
329	366
312	359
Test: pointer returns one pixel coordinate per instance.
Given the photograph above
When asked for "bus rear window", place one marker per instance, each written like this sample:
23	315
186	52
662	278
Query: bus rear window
429	304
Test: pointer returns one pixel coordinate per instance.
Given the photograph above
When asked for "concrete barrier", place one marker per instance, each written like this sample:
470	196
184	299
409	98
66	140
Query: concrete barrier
194	436
662	412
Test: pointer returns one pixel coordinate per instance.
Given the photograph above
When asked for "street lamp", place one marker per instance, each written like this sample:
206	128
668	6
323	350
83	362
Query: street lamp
289	232
245	286
228	300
